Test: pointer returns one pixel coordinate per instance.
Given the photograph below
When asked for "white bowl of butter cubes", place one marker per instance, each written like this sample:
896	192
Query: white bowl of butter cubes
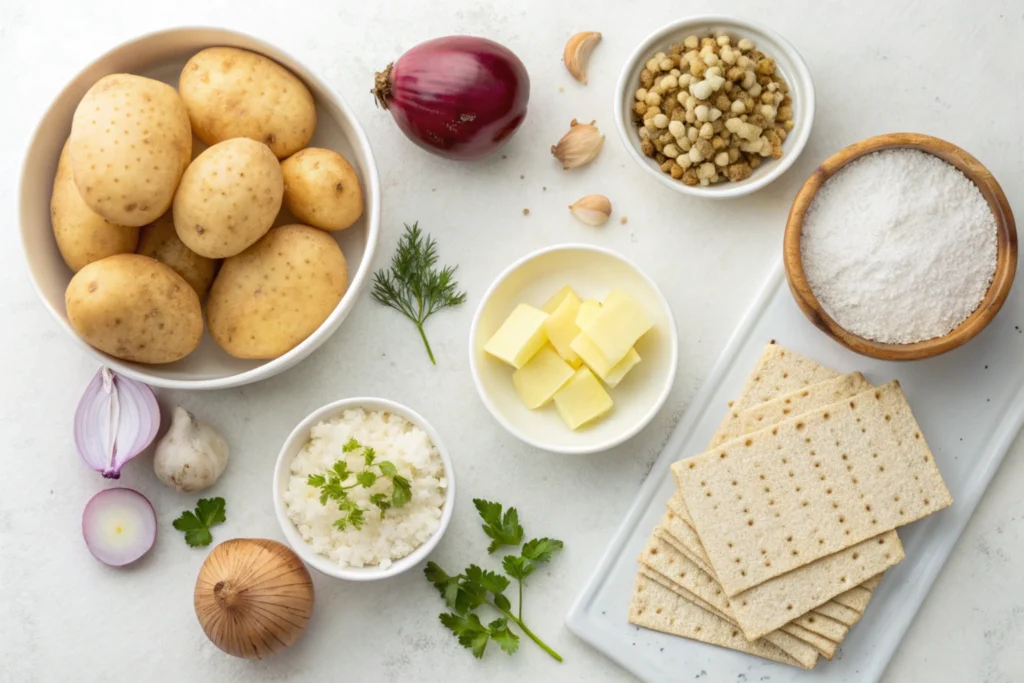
573	349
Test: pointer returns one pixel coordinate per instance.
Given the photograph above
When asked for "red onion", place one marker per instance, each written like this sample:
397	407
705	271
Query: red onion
116	420
459	97
119	526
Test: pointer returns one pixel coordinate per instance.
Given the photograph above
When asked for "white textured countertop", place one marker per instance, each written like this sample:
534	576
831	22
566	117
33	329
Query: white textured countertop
949	68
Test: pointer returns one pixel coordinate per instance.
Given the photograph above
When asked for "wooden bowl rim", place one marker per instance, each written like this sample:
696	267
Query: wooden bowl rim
1006	255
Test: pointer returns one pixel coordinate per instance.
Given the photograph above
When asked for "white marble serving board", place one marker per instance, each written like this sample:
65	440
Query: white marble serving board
970	404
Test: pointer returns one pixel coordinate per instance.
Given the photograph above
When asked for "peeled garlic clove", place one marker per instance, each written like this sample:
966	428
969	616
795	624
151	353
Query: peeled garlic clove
579	146
191	456
593	209
253	597
577	52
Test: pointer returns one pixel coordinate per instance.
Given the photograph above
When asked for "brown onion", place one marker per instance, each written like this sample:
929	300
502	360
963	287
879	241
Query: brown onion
253	597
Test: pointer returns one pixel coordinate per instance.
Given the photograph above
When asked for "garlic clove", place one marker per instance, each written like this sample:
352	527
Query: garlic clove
253	597
191	456
579	146
577	52
593	209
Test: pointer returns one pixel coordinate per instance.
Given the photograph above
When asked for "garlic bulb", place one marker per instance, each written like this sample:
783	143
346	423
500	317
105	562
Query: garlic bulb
579	146
253	597
192	455
593	209
577	52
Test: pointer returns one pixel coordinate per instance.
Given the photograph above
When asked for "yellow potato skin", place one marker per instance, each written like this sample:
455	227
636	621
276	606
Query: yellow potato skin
135	308
269	298
160	241
228	198
130	142
232	93
82	235
322	189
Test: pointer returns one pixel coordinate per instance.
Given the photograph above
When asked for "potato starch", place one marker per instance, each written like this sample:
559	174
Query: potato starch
899	246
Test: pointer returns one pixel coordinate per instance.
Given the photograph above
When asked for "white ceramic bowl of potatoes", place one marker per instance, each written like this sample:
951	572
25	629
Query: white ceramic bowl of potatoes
608	405
198	209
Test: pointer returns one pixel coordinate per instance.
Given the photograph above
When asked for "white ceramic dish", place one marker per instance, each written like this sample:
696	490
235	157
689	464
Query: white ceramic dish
789	63
161	55
970	404
282	472
593	272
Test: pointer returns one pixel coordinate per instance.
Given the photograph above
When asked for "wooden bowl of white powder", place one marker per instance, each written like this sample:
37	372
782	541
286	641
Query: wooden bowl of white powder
901	247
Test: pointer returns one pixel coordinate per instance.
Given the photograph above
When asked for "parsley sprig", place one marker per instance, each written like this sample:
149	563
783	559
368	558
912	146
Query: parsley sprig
333	486
413	286
196	525
475	587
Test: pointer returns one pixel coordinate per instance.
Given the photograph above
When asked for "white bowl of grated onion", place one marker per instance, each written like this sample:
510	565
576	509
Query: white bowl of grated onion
789	64
398	435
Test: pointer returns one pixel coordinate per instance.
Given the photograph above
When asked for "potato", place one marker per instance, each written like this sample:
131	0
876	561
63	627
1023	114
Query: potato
82	235
135	308
130	142
232	93
321	189
160	241
228	198
269	298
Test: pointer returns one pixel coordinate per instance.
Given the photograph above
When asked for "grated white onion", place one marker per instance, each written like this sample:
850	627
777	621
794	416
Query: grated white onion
380	541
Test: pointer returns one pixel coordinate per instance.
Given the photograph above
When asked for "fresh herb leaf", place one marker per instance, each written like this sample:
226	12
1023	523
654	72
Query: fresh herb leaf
517	567
501	529
369	455
502	603
209	512
470	590
541	549
413	286
356	518
403	491
506	639
387	468
366	478
471	633
349	446
316	480
489	581
341	470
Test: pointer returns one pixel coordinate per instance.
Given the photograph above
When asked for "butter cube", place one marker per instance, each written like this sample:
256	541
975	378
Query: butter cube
621	321
588	310
543	375
561	329
519	337
620	369
561	295
612	374
582	399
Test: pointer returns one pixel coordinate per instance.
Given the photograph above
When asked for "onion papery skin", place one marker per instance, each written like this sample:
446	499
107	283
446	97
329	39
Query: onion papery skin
460	97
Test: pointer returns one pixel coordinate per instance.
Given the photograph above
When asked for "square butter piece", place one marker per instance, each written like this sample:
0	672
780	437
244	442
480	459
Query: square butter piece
558	297
538	380
621	321
519	337
561	328
582	399
588	310
595	360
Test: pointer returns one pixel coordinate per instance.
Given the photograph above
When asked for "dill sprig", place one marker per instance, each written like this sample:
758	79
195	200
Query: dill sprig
413	286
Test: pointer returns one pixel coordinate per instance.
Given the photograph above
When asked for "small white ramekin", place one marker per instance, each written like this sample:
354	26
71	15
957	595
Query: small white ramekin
593	272
789	63
282	472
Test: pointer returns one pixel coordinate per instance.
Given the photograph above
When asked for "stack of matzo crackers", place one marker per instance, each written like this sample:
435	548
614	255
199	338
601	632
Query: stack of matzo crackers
778	535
